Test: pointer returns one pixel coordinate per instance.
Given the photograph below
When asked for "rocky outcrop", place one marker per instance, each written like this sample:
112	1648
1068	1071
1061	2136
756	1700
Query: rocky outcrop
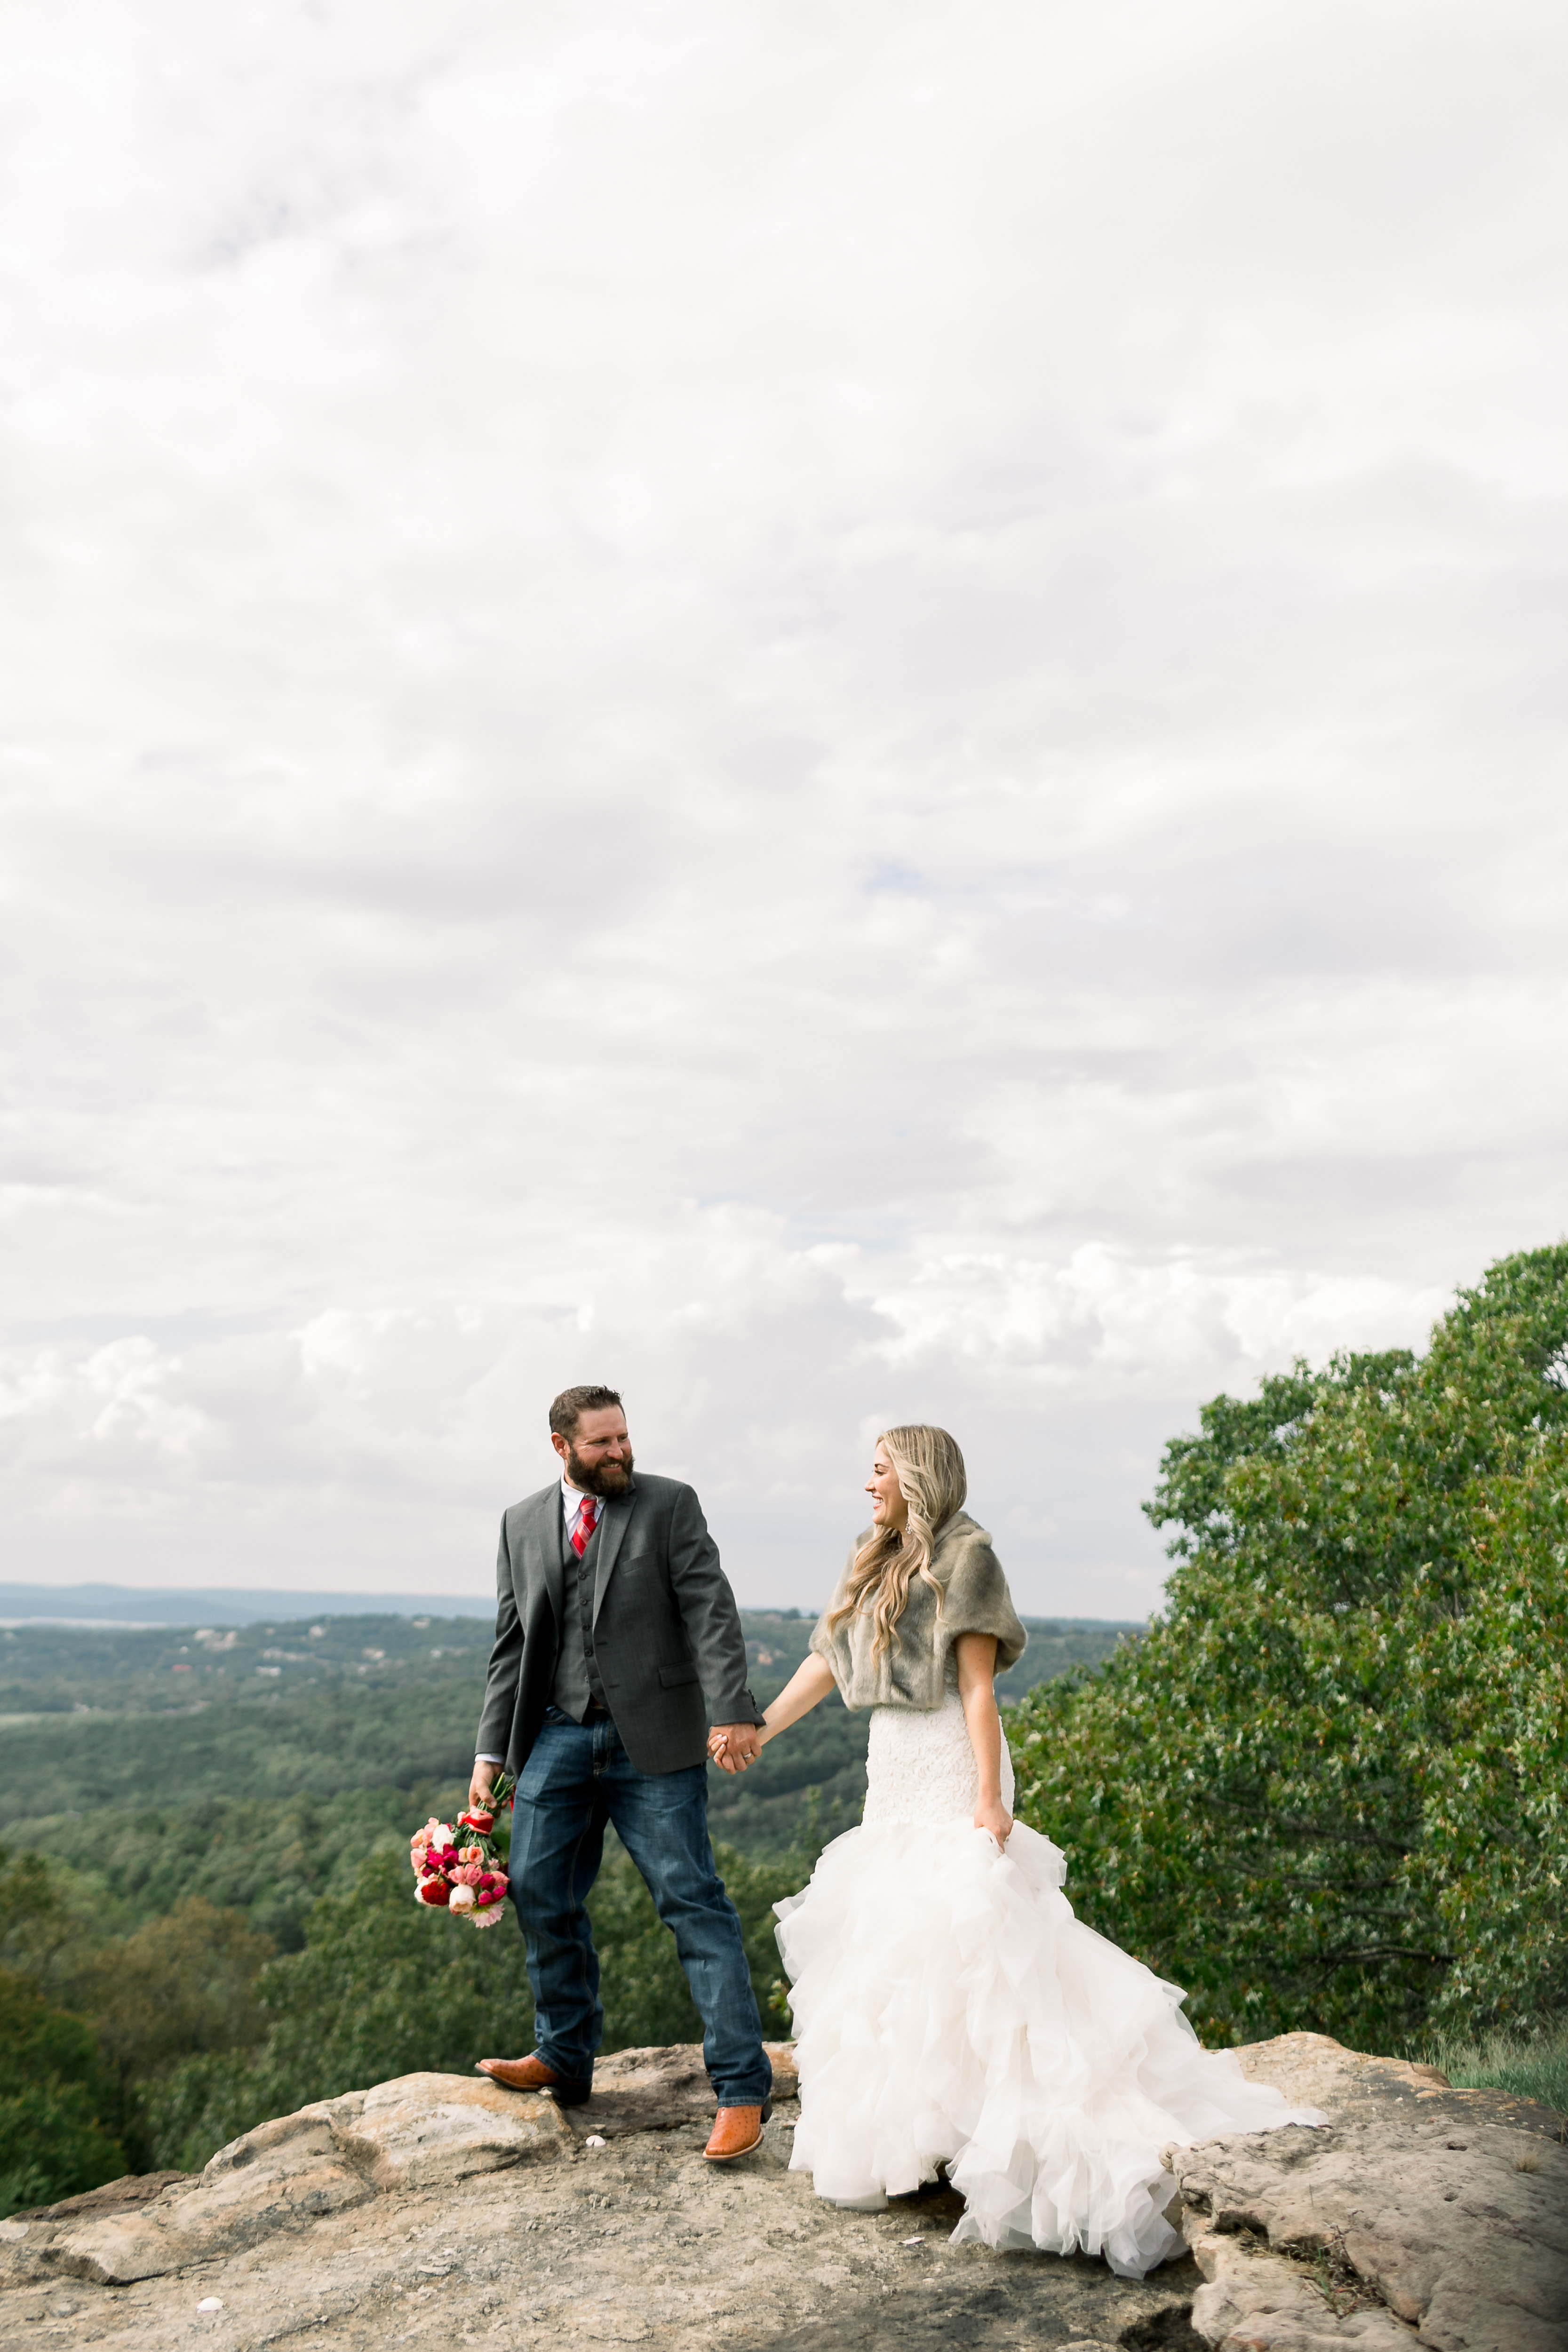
1421	2208
440	2210
422	2131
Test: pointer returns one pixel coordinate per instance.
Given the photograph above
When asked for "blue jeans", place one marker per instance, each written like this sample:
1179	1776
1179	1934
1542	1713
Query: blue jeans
579	1777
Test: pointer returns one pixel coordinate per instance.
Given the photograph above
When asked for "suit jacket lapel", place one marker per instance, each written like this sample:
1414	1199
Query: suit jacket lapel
612	1531
551	1545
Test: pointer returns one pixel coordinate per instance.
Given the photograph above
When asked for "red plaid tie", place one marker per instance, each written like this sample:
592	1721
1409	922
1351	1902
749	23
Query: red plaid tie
588	1519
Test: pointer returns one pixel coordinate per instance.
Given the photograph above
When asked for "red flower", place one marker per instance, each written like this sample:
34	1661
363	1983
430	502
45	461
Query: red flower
434	1890
480	1819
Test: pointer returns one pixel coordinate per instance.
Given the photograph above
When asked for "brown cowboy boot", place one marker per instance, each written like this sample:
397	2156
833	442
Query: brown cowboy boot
736	2132
533	2074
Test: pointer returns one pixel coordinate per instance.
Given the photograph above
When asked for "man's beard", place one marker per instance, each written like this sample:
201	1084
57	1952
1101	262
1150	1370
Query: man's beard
611	1478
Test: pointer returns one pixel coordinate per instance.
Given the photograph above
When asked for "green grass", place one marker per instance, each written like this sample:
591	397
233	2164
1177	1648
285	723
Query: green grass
1532	2067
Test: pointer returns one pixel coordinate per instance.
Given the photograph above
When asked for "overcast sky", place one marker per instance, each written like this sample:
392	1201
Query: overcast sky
841	712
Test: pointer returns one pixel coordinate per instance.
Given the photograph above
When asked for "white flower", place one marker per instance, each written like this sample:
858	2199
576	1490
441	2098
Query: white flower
489	1916
463	1899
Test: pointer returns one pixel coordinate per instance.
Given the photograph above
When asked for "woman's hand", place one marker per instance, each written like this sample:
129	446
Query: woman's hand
810	1683
992	1814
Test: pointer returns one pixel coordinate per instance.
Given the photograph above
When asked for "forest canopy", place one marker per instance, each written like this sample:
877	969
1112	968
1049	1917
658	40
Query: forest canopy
1328	1789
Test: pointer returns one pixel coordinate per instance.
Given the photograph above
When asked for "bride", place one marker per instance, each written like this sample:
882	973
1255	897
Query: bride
949	2010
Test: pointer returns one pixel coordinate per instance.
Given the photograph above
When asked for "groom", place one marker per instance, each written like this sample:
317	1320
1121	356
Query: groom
617	1641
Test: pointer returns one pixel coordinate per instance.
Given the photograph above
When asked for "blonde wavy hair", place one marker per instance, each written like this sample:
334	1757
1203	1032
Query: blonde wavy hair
930	1475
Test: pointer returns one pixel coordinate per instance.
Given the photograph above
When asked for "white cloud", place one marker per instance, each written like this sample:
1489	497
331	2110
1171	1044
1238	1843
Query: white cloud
835	711
380	1441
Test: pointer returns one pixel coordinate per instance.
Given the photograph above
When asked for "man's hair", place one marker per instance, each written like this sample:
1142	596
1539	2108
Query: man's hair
571	1405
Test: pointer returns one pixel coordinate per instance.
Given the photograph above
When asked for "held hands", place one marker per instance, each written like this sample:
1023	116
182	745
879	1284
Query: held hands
483	1782
992	1814
733	1746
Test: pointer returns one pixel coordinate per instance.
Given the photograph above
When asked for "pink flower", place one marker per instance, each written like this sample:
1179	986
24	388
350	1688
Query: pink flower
472	1852
487	1918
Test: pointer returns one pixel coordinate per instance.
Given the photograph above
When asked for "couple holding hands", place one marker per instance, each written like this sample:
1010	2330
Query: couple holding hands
952	2015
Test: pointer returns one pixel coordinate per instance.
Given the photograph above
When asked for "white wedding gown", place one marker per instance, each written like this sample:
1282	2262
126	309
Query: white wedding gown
949	2010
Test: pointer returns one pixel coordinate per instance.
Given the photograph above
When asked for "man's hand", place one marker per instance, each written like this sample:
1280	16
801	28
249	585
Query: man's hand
733	1746
483	1782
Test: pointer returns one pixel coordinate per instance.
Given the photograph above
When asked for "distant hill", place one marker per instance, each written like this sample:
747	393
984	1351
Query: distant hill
126	1604
101	1722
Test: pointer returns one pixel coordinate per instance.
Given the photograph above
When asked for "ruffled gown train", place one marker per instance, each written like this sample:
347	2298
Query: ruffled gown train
951	2011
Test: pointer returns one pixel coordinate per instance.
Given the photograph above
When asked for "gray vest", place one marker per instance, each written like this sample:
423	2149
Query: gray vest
576	1674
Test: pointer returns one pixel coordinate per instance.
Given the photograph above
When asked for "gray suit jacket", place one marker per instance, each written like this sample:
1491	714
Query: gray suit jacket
667	1634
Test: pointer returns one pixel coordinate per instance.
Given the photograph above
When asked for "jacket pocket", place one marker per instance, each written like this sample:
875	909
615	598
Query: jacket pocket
671	1677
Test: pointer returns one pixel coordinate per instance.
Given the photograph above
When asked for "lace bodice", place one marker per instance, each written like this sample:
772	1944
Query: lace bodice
922	1767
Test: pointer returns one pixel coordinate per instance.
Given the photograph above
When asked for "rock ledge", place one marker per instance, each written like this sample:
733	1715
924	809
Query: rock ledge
438	2210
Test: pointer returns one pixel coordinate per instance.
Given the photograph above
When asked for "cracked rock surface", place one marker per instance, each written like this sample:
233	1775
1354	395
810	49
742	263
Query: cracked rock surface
441	2211
1421	2216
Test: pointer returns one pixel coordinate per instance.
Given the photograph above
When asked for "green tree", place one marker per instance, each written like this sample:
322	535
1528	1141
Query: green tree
58	2103
181	1985
37	1930
52	2141
1327	1789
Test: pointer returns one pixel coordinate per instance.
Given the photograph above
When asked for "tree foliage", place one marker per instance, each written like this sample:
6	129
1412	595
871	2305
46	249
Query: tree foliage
54	2139
181	1984
1327	1789
58	2103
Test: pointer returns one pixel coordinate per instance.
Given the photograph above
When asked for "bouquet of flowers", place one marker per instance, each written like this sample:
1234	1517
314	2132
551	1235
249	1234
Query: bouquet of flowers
460	1867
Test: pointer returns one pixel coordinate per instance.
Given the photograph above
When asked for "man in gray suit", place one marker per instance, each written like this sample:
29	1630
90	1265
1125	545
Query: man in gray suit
617	1643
